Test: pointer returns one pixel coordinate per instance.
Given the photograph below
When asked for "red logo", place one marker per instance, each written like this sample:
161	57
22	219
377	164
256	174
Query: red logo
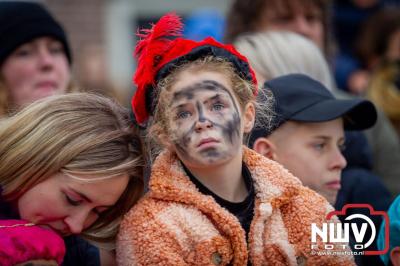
359	233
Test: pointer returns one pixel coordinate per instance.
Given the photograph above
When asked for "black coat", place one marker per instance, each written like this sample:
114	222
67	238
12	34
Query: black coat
360	185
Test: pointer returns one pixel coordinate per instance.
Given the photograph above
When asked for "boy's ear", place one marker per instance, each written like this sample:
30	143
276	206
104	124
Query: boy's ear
265	147
249	117
395	256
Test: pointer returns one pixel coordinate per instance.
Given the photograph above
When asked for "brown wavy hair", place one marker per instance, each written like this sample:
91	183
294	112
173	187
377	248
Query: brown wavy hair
244	16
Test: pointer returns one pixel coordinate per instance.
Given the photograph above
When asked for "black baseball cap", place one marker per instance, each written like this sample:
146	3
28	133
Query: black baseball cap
297	97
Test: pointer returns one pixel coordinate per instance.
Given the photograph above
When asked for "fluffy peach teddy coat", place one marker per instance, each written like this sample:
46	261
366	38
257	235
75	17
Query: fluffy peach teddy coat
174	224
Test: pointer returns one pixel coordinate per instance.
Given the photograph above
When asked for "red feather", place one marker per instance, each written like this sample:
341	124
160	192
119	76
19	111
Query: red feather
150	49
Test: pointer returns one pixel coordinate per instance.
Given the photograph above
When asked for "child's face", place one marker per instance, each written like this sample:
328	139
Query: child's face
204	119
312	152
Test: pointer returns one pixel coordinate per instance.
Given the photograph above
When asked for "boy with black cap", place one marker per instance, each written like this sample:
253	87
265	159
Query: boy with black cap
307	133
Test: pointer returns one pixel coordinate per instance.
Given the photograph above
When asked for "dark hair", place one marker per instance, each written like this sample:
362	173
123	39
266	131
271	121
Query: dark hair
245	15
376	33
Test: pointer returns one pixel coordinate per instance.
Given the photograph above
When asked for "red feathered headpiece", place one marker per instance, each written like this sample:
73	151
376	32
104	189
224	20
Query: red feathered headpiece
158	53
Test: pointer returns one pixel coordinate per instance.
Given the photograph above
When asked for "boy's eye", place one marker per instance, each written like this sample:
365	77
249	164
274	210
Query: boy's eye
342	147
72	201
183	115
319	146
217	107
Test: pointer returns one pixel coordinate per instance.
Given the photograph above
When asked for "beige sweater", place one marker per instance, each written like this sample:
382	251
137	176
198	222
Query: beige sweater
174	224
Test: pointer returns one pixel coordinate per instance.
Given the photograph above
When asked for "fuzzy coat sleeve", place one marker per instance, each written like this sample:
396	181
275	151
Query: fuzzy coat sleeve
143	240
164	233
306	208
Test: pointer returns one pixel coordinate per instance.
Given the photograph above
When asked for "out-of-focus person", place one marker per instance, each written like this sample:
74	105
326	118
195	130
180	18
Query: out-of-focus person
379	48
35	57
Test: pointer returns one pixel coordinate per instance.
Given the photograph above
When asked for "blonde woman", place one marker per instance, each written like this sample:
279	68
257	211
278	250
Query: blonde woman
70	163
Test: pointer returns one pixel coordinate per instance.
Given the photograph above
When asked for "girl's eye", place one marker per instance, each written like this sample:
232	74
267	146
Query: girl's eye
217	107
183	115
73	202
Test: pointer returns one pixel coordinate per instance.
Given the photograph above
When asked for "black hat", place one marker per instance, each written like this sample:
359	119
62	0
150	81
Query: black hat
297	97
20	22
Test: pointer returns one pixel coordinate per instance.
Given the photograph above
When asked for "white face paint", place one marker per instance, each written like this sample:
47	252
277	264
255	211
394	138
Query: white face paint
204	119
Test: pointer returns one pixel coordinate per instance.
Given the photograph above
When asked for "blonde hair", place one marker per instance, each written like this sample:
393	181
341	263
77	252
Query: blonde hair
276	53
76	133
243	90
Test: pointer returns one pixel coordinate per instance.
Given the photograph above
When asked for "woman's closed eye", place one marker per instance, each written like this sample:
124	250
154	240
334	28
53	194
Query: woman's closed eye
72	201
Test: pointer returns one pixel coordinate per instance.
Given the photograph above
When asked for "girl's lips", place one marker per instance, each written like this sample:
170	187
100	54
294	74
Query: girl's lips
207	142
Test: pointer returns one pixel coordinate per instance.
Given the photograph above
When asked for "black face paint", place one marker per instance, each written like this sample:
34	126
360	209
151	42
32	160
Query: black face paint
202	119
229	127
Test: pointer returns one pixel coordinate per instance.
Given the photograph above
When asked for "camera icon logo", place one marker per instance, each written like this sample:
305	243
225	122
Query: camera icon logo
337	236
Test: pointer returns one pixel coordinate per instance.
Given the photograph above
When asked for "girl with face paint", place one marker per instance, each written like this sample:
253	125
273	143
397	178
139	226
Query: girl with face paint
211	200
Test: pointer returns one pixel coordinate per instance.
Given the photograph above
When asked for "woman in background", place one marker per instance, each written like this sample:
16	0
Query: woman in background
35	57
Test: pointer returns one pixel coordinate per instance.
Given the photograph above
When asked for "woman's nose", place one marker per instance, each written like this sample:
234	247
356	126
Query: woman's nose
76	221
45	58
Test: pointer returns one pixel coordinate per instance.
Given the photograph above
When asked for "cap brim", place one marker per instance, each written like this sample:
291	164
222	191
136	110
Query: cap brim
358	114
